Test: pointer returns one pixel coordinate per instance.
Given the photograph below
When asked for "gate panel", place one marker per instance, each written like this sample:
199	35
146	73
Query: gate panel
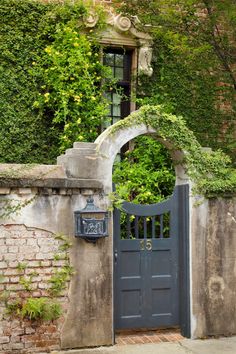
146	246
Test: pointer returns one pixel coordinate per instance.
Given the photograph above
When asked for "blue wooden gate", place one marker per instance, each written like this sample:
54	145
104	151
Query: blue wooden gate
151	264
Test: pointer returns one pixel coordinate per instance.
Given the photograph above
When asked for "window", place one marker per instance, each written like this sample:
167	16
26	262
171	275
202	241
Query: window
120	62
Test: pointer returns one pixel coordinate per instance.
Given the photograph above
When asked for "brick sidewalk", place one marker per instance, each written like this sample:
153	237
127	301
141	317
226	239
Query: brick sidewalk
155	336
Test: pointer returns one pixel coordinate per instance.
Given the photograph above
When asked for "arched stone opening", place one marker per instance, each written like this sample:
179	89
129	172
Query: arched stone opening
109	144
94	161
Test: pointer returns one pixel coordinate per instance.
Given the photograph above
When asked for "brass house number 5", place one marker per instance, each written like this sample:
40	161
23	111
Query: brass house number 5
148	245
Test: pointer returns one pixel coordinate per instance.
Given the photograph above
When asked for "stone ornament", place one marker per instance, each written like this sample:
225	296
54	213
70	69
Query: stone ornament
144	61
122	23
91	19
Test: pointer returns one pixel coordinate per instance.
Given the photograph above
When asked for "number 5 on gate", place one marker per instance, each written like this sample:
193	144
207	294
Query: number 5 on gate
148	245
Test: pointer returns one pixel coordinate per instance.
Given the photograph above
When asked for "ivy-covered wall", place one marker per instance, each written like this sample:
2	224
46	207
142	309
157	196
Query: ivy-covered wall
51	74
51	79
194	64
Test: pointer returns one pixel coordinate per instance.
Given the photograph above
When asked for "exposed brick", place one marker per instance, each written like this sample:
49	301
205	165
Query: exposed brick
36	248
29	345
28	250
29	330
15	323
29	256
24	191
17	346
36	293
59	263
14	287
4	339
3	249
48	249
13	264
15	339
14	242
31	338
43	286
5	280
50	329
44	256
3	265
47	242
10	257
13	249
46	263
11	272
48	270
4	191
18	331
31	242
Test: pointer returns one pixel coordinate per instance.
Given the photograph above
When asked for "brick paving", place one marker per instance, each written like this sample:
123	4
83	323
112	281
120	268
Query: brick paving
153	336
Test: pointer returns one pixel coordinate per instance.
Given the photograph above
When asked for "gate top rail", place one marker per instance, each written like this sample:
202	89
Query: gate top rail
151	209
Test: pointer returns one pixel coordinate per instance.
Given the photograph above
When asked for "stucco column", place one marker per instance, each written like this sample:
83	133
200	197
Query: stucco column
89	322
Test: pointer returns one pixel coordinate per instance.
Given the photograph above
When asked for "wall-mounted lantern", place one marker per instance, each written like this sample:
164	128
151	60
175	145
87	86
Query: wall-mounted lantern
91	223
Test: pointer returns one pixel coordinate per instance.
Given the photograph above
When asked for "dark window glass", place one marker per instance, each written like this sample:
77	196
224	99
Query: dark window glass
119	60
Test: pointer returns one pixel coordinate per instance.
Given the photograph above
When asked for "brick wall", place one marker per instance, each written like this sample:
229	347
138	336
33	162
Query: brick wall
35	250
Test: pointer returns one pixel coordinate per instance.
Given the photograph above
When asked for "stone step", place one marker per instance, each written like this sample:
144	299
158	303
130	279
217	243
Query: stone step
78	145
79	151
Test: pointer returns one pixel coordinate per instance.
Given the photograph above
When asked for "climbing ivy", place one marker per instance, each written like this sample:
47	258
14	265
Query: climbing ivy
51	79
212	172
194	64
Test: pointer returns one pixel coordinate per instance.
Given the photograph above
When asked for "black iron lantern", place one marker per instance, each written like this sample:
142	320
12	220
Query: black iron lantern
91	223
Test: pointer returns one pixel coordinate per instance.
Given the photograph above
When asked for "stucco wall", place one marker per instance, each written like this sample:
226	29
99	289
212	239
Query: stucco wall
214	267
47	200
54	193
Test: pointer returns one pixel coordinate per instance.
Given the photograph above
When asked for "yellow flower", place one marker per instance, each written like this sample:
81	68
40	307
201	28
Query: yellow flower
48	49
36	104
77	98
46	95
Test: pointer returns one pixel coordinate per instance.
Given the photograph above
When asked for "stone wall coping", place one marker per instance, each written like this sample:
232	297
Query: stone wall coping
31	171
50	183
42	176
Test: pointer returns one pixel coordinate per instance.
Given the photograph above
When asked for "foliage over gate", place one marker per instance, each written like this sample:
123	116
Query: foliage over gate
211	171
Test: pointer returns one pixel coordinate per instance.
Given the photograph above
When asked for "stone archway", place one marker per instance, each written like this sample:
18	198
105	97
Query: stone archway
93	162
110	142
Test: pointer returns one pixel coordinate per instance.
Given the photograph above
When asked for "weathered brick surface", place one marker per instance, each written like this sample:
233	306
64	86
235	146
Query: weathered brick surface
23	252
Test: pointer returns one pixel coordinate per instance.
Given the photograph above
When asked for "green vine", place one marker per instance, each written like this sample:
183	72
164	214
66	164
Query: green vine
52	78
9	207
193	64
212	172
